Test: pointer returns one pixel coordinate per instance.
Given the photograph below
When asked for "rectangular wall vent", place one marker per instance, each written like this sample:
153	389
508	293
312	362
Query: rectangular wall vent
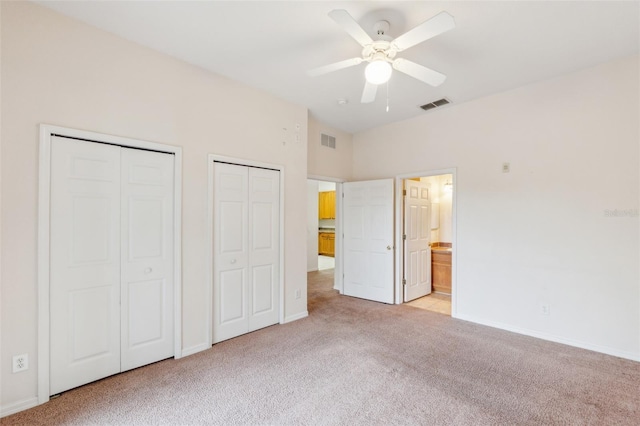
434	104
327	140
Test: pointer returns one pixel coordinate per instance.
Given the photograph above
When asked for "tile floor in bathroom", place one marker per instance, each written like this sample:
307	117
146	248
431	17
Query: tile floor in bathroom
434	302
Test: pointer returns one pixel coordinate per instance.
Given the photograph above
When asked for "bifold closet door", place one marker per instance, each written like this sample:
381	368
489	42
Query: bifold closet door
246	259
147	314
111	273
84	295
264	247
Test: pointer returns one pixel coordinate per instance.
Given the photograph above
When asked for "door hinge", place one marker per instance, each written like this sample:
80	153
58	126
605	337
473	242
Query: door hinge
404	236
404	192
404	282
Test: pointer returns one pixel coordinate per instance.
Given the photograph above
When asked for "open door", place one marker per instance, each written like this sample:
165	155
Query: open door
368	240
417	239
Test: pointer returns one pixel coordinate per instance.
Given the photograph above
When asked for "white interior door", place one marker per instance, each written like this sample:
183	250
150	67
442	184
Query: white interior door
368	240
417	236
147	257
85	263
246	254
111	283
264	247
231	251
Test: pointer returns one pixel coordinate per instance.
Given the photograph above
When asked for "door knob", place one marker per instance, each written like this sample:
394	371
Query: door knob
388	247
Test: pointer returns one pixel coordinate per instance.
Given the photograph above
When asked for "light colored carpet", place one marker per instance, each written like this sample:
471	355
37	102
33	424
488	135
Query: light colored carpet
354	362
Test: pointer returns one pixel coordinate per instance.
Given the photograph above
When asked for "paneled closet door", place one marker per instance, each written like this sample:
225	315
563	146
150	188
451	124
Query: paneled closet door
147	315
264	247
231	252
85	263
246	263
111	284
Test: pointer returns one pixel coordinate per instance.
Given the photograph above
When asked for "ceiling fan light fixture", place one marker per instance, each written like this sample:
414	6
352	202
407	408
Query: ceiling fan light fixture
378	71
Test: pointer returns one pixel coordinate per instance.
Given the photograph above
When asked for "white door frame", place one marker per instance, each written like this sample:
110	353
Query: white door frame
400	247
338	283
211	158
44	198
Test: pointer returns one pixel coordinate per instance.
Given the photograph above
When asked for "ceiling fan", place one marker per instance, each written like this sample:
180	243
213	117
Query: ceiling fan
381	53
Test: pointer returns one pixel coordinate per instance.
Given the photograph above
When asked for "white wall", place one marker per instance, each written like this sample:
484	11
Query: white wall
445	199
540	234
326	186
442	200
56	70
312	225
328	162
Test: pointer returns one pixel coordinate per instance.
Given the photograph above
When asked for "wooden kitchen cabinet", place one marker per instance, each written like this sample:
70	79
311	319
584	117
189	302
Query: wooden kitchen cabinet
327	243
441	271
327	205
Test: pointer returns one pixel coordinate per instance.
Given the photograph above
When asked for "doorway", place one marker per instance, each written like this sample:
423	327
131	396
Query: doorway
321	225
426	248
335	262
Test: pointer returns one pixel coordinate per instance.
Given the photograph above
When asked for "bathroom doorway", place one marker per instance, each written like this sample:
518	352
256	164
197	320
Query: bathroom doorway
427	241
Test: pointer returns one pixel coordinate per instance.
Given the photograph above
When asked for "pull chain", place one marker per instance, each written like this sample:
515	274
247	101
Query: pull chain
387	96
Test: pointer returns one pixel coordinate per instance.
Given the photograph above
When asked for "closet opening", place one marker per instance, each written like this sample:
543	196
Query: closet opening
109	272
246	224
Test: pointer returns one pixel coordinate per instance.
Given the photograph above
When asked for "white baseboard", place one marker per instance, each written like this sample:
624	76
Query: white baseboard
553	338
195	349
7	410
296	317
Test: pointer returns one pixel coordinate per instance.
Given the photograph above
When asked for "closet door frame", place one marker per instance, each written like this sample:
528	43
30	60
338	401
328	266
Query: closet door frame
212	158
44	215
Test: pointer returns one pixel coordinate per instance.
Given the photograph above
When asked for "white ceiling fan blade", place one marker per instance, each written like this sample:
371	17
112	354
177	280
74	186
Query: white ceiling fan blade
334	67
369	93
350	25
419	72
437	25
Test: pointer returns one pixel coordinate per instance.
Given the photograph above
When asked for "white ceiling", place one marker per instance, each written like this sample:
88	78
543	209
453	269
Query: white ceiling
269	45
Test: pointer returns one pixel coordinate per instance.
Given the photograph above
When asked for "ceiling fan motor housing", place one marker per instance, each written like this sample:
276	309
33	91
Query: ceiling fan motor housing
379	50
381	28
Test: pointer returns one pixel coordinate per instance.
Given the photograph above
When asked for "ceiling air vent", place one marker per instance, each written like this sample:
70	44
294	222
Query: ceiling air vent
327	140
434	104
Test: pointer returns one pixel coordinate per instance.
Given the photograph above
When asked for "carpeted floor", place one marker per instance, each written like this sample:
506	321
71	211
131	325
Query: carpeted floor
354	362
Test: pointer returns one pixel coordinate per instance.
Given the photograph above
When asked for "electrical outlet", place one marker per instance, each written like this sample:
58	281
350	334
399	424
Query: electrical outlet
297	294
20	363
544	309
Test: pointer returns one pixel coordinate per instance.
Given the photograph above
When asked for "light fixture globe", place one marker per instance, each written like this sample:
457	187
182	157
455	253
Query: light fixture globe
378	71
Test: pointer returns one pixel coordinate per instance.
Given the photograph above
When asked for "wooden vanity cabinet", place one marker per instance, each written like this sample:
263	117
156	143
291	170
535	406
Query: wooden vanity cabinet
441	271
